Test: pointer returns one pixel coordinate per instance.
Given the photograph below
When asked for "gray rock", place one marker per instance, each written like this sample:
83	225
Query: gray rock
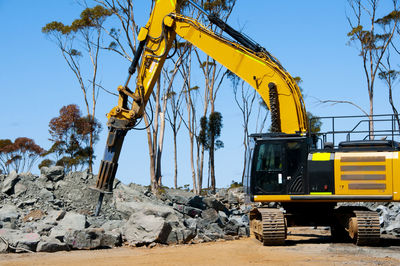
53	173
19	189
3	247
9	213
191	223
112	225
223	217
29	241
178	199
20	240
215	204
48	244
196	202
244	231
222	194
181	236
73	220
58	233
245	220
241	220
84	239
232	199
54	216
45	195
143	229
147	208
232	228
9	183
111	239
210	215
213	231
191	211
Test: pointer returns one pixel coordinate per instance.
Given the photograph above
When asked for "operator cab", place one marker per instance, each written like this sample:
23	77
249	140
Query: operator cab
278	164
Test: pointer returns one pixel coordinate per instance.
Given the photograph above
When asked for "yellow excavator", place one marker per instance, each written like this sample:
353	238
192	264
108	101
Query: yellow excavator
285	166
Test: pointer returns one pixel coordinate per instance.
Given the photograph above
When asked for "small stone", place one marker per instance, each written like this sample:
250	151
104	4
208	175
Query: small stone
33	216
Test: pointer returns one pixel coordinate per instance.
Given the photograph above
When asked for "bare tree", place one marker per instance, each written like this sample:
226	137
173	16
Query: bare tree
191	122
174	101
389	76
244	101
155	131
213	74
371	44
87	32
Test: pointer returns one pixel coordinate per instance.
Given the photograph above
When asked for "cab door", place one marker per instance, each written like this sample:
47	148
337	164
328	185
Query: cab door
268	175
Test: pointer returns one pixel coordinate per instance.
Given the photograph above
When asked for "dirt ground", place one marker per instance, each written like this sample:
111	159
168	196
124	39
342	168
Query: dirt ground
305	246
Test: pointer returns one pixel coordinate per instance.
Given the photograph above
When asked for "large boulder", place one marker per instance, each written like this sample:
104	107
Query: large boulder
53	173
48	244
196	202
9	216
147	208
9	183
8	213
73	220
210	215
181	236
188	210
70	221
215	204
143	229
20	241
91	238
232	228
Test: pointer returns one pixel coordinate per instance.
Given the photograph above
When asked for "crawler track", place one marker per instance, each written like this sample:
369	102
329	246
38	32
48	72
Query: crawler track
268	226
364	228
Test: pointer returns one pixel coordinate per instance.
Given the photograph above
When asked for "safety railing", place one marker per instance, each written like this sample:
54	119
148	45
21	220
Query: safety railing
350	128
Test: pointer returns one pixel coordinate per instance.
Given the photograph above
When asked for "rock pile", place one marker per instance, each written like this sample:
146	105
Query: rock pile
54	211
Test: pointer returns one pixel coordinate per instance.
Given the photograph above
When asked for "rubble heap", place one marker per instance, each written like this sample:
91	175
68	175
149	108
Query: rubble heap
54	212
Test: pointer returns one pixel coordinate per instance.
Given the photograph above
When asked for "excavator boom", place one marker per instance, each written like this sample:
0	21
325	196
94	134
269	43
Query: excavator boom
244	57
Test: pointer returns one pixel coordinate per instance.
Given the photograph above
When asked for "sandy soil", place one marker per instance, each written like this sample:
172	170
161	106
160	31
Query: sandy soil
305	246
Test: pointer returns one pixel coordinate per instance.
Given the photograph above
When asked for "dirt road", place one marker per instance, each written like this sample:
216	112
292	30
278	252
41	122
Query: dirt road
305	246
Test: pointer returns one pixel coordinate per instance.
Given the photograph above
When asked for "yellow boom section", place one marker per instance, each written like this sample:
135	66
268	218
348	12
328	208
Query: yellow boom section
257	69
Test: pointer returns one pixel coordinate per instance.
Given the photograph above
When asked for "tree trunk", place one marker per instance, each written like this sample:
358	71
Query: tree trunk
212	166
175	163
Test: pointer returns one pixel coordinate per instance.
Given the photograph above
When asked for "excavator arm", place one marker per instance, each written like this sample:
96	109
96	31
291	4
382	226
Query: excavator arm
244	58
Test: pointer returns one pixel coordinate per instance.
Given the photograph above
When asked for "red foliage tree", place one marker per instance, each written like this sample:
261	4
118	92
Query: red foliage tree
71	134
19	155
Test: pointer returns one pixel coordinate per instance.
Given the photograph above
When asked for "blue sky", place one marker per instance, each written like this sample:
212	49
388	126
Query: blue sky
308	37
